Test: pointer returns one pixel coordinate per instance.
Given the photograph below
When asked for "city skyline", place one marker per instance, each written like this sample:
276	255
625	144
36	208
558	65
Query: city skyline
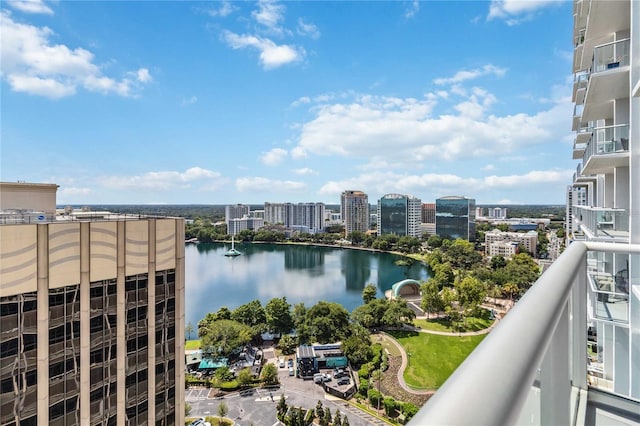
238	102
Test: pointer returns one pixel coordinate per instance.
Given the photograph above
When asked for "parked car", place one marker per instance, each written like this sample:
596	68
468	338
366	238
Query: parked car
343	381
281	362
290	363
291	371
326	377
198	422
338	372
318	378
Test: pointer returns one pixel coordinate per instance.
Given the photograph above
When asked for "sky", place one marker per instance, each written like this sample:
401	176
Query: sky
224	102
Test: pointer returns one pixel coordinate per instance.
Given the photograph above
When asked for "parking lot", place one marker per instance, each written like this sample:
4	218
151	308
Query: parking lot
258	407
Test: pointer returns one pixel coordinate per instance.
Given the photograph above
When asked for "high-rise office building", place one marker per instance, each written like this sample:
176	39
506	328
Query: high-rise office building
399	215
354	210
456	218
91	314
428	212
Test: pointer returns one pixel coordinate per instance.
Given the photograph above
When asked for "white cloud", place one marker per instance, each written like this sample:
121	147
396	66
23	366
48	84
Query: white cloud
30	6
413	9
261	184
489	167
269	14
65	192
271	54
163	180
385	182
516	11
225	9
274	157
189	101
301	101
304	171
395	129
307	29
31	64
464	75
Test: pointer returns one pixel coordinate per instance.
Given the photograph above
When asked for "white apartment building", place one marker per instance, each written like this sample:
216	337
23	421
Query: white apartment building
237	211
234	226
91	314
308	215
498	242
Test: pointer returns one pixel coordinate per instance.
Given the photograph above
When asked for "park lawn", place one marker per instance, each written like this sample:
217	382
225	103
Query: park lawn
433	357
192	344
443	324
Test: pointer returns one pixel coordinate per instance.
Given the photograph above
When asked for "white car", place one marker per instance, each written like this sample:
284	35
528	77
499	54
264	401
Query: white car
281	362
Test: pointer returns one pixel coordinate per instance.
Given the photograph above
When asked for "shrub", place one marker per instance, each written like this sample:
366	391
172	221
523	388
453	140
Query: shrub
389	406
409	409
229	386
374	396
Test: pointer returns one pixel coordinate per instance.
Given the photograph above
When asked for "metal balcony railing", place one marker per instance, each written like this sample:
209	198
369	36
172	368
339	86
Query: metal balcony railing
603	222
533	367
611	55
607	140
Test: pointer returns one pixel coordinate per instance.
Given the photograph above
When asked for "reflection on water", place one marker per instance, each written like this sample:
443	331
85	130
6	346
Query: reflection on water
301	273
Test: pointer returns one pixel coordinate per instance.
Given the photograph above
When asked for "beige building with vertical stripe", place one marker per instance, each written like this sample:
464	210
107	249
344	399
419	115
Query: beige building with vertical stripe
91	314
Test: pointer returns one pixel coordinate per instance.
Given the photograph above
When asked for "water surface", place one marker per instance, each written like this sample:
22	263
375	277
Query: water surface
301	273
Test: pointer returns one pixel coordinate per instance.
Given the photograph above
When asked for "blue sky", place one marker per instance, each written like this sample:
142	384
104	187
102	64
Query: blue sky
245	102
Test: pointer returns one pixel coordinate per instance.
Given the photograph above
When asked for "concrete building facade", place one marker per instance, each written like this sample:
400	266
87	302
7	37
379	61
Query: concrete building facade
91	320
354	210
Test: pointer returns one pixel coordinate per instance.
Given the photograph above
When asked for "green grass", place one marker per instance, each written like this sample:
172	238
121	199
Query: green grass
192	344
433	357
442	324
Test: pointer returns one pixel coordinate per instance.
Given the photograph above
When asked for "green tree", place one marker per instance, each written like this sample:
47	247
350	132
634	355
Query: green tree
221	337
287	344
337	419
251	314
327	322
471	293
222	410
434	241
187	409
281	408
443	274
369	293
278	315
269	374
244	377
498	262
370	315
357	346
327	416
319	410
397	314
431	300
522	270
356	237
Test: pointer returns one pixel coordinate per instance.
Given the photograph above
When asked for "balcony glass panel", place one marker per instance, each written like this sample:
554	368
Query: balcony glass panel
611	55
603	222
609	139
610	299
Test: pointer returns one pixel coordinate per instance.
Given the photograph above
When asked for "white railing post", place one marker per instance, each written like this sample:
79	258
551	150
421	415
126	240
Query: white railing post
555	385
579	328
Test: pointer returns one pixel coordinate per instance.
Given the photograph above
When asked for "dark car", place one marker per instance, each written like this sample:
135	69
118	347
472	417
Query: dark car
343	381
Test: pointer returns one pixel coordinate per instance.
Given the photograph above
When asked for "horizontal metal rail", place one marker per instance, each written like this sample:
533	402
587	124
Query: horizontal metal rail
491	386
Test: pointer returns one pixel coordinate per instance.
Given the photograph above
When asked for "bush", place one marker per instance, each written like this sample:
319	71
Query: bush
374	396
365	371
389	406
229	386
409	409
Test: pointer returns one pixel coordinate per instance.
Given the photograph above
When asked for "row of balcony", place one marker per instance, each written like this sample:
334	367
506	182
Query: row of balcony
606	57
602	222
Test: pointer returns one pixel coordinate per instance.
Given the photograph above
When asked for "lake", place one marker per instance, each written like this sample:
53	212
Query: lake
306	274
